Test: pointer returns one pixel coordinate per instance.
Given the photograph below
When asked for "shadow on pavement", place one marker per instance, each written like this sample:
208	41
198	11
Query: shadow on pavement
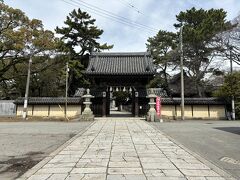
234	130
19	165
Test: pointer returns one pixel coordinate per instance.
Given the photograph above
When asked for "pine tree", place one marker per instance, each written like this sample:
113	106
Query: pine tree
160	47
200	38
80	38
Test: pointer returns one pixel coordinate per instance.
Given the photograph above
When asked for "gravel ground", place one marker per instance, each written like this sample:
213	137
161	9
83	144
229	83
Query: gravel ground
24	144
216	141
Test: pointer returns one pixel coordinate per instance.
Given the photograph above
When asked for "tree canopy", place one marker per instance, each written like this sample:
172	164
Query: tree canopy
80	37
20	38
231	88
201	45
200	30
160	47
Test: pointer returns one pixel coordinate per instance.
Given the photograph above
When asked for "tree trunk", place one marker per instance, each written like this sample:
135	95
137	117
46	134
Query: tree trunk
199	88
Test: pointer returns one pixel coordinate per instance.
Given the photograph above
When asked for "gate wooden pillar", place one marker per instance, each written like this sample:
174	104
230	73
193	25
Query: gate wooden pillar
136	105
133	105
108	104
104	106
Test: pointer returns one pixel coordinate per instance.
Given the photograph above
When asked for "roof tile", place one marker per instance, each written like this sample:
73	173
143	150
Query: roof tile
120	64
49	100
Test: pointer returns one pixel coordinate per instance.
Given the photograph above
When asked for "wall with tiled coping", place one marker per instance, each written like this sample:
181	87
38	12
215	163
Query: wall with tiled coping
194	111
50	110
167	111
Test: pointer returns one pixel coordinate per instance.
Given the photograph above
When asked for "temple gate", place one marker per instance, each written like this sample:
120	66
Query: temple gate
120	72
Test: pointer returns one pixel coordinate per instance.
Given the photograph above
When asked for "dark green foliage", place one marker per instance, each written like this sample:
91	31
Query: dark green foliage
81	32
237	109
47	78
80	37
160	47
202	25
200	39
156	82
161	44
201	44
159	82
21	38
230	88
121	97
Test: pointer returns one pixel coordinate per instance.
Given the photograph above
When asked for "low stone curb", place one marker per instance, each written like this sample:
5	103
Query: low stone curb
39	165
210	164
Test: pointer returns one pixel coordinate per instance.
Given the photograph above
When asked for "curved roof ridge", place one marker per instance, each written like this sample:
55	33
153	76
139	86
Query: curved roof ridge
120	53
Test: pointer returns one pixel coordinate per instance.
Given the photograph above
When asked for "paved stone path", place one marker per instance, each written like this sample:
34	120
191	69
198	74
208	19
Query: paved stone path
123	149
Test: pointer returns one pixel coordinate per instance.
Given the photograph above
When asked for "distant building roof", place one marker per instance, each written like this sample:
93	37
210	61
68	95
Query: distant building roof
49	100
135	63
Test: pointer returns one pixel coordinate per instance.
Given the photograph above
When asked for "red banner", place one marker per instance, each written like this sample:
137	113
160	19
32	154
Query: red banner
158	106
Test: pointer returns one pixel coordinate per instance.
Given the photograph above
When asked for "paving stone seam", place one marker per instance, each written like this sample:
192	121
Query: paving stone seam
111	149
84	151
161	151
164	152
136	149
43	162
87	147
210	164
99	131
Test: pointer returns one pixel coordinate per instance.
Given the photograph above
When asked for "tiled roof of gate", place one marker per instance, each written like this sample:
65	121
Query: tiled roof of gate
136	63
49	100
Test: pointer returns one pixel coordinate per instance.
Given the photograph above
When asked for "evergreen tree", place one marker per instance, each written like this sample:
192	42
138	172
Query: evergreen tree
160	47
231	88
200	37
80	38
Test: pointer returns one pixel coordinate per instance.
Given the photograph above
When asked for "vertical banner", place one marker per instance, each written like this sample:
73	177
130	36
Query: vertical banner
158	106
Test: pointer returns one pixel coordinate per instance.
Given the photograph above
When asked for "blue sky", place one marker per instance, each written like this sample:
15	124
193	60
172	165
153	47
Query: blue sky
157	14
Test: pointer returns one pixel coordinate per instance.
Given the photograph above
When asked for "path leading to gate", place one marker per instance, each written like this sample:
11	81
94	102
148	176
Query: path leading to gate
113	149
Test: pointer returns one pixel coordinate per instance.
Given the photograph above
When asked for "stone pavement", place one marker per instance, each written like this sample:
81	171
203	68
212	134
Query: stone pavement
131	149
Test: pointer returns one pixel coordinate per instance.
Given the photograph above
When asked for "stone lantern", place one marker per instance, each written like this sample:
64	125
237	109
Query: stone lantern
87	114
152	115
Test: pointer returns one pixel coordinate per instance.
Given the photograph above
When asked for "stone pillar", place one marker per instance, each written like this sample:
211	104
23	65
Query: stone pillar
136	105
87	114
152	115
